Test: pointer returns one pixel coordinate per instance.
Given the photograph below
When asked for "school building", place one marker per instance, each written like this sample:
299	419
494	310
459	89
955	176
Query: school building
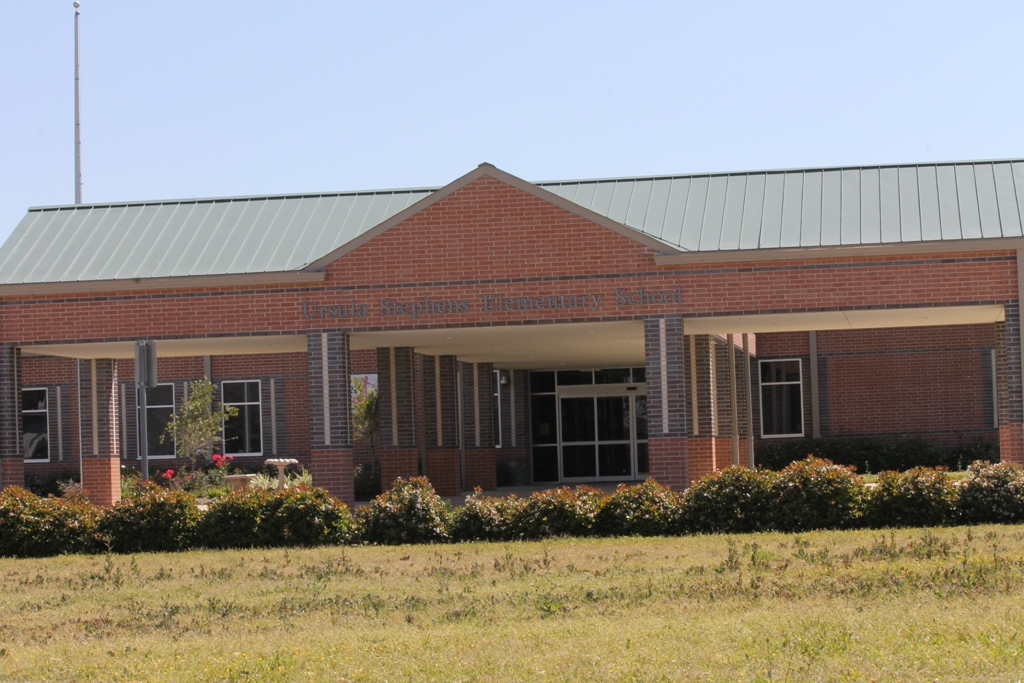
518	332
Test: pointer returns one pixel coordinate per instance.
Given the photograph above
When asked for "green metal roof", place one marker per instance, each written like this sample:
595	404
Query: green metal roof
699	213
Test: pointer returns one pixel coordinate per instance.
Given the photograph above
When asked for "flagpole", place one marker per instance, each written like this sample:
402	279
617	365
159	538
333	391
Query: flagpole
78	122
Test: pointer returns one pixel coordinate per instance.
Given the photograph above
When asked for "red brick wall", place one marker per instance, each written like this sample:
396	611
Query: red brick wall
927	382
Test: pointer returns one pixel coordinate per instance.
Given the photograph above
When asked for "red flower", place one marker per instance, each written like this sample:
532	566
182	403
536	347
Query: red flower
169	474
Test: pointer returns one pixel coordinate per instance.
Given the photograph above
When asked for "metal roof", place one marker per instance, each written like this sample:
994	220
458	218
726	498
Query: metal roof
698	213
813	207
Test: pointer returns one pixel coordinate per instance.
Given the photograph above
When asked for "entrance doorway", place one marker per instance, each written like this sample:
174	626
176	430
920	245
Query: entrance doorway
589	426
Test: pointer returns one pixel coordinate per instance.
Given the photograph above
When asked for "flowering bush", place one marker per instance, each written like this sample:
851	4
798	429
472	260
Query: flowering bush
734	500
816	494
559	512
411	512
258	518
918	497
991	494
154	520
646	509
485	518
31	526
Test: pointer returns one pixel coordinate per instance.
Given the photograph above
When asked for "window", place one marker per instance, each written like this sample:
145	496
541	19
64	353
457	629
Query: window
242	435
35	424
782	399
159	409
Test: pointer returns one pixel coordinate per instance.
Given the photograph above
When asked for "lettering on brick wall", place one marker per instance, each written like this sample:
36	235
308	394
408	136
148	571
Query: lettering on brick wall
495	303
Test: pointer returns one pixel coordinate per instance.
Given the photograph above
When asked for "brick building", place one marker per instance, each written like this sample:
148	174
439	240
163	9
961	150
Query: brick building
520	332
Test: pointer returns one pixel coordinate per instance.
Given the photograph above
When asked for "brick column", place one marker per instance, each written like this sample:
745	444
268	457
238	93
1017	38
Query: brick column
666	401
1009	386
442	457
330	405
12	455
396	392
478	426
100	444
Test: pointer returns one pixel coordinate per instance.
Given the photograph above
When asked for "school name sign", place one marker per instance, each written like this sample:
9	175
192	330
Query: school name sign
494	303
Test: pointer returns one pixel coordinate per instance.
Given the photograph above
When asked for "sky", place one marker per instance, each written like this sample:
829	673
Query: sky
201	98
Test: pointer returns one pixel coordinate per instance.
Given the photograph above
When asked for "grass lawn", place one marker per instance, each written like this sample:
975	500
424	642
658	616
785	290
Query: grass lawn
915	605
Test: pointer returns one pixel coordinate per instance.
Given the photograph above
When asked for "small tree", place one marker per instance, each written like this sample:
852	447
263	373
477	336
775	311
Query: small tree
366	424
197	425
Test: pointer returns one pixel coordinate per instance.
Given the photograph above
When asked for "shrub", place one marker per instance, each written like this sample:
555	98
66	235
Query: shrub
918	497
50	484
991	494
156	520
647	509
734	500
816	494
485	518
257	518
875	455
31	526
559	512
411	512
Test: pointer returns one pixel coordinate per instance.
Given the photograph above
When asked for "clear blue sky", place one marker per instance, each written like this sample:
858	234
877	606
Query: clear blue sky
189	98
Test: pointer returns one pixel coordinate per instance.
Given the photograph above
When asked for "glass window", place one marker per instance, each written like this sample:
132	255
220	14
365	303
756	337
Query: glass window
614	376
35	427
567	378
242	434
542	382
159	409
781	398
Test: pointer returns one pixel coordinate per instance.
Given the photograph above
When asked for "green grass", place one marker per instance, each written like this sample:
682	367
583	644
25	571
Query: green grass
915	605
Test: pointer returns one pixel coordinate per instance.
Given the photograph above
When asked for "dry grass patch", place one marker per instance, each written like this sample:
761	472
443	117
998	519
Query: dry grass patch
831	606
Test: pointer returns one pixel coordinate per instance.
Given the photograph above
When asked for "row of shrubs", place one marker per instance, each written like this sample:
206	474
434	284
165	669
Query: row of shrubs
877	455
810	494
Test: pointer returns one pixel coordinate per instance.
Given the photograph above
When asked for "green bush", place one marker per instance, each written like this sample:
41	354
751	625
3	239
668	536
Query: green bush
917	497
991	494
559	512
31	526
153	520
734	500
257	518
870	455
410	512
50	484
487	518
816	494
646	509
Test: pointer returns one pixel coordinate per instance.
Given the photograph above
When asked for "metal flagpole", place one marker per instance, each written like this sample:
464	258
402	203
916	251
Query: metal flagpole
78	123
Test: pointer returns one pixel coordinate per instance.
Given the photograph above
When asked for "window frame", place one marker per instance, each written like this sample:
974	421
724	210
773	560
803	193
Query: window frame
138	423
760	395
223	422
45	412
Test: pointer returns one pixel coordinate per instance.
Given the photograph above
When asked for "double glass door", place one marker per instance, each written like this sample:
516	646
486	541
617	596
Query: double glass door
602	432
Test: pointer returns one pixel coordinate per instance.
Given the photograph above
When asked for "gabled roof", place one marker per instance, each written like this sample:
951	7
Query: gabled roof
247	236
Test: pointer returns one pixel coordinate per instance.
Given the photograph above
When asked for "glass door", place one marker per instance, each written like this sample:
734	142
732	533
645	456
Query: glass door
602	433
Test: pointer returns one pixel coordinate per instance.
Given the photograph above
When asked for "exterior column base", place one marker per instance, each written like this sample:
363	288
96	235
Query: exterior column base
398	462
332	470
668	460
444	470
1011	443
481	469
12	472
101	479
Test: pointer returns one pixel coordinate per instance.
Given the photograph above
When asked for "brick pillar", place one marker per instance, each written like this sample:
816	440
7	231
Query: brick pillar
1009	386
12	456
478	426
442	457
330	405
666	401
513	458
707	371
396	392
98	430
